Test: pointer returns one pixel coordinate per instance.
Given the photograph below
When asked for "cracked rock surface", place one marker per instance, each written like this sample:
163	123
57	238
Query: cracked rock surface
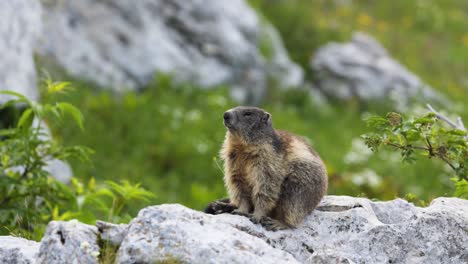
122	44
342	230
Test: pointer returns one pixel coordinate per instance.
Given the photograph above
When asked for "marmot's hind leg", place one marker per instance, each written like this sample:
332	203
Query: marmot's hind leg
219	207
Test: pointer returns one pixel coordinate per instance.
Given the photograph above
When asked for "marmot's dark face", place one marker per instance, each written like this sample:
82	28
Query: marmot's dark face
251	123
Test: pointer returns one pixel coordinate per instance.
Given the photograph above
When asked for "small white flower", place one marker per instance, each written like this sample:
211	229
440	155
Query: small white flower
84	245
193	115
366	176
201	147
359	153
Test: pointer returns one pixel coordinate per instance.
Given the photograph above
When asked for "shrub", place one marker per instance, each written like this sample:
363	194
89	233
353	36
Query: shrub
29	196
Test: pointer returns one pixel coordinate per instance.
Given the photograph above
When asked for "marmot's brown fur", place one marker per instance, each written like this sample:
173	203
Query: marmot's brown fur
273	176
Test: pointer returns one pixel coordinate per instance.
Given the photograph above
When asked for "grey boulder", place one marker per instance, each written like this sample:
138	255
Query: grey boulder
122	44
363	69
69	242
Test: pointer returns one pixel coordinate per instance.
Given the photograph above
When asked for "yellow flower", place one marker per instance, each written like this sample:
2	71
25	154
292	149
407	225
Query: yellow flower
364	20
407	22
465	40
382	26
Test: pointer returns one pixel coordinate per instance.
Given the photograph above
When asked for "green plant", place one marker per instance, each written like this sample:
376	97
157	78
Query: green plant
29	196
424	136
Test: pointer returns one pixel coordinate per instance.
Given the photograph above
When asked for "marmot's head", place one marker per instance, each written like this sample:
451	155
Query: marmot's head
250	123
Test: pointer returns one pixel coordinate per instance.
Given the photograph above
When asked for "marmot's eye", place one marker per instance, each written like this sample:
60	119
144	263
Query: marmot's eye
247	113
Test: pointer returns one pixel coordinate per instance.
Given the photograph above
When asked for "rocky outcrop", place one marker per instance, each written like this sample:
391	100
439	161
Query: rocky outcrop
363	69
17	250
342	230
122	44
19	28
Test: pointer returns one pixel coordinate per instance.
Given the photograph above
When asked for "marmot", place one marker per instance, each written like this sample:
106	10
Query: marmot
272	176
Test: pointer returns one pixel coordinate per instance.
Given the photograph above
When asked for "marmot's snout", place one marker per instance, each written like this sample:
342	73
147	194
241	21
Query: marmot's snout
229	119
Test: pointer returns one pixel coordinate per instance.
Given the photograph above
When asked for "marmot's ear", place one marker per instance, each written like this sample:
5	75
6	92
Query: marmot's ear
267	118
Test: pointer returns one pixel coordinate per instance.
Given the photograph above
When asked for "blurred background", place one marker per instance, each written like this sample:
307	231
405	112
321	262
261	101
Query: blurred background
154	77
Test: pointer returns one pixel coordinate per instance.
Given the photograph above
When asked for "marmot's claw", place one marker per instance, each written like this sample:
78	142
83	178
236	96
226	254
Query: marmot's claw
237	212
272	224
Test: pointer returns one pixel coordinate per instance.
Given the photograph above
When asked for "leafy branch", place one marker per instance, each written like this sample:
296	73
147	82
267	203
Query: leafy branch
424	136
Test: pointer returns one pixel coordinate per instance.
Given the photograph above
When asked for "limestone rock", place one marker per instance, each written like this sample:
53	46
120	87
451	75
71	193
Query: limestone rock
122	44
19	28
343	230
16	250
69	242
362	68
173	232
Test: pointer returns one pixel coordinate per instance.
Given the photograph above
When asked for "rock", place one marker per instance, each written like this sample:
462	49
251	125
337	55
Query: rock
173	232
362	68
16	250
112	233
343	230
122	44
19	29
69	242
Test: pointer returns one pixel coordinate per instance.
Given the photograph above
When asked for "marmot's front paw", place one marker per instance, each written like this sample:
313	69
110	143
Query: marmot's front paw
219	207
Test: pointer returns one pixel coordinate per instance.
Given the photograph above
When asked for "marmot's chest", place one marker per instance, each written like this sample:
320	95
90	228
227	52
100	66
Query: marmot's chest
249	166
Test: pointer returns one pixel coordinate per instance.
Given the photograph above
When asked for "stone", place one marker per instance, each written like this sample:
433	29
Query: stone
123	44
342	230
19	30
112	233
16	250
173	232
363	69
69	242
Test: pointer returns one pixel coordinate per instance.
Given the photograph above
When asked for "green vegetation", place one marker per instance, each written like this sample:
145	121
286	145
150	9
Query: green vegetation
168	138
29	196
423	136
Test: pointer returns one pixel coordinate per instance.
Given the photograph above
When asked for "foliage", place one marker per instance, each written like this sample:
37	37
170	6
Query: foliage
168	137
29	196
422	136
